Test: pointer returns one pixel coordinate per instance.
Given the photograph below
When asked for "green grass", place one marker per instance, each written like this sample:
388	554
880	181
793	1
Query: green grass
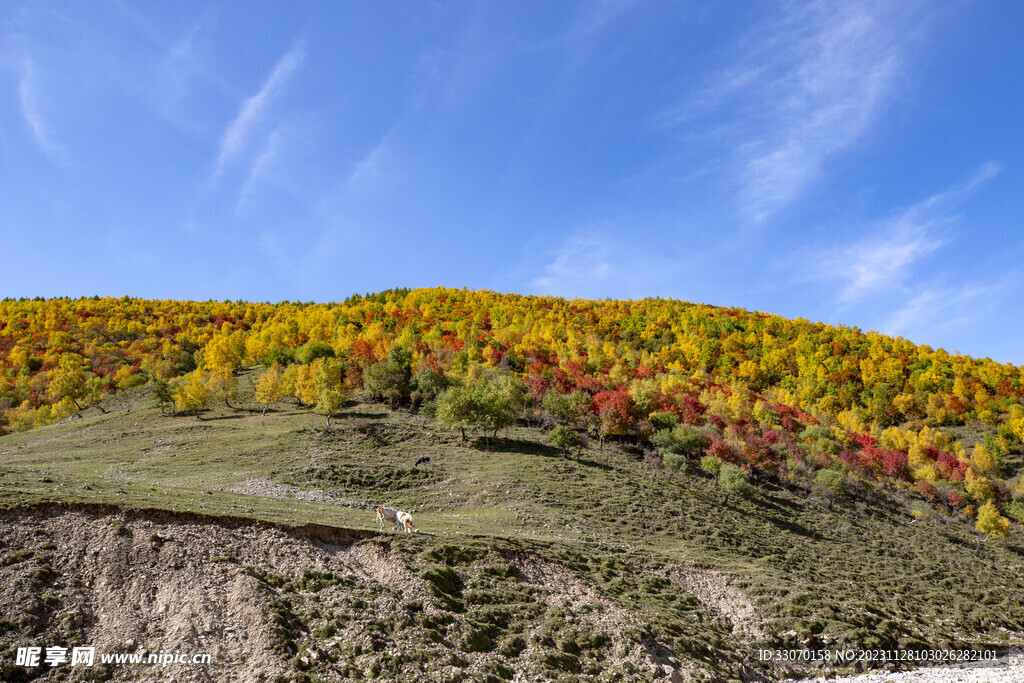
864	572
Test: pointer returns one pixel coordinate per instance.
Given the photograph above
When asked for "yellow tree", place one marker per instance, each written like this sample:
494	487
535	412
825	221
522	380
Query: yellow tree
305	390
222	384
270	387
225	352
984	461
978	487
328	383
193	394
68	381
991	522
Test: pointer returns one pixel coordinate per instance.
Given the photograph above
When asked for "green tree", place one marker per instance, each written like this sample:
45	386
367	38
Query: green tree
455	409
564	439
162	395
314	350
388	380
278	356
490	402
499	398
683	439
427	385
832	480
734	480
558	405
568	409
391	380
662	420
711	464
674	462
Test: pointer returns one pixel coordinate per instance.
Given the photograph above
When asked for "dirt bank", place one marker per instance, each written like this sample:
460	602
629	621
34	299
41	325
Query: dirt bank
278	603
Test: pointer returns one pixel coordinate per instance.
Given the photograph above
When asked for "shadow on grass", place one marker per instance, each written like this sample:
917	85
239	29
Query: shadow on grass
360	415
791	526
506	445
216	418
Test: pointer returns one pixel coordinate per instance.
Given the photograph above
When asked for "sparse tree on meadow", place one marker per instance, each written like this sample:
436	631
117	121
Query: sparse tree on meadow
269	388
305	390
734	480
222	385
455	409
328	383
564	439
192	395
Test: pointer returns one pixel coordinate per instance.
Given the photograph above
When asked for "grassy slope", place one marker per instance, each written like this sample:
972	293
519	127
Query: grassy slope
863	573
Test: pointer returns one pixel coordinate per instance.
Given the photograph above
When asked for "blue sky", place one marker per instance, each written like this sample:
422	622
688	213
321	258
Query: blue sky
852	162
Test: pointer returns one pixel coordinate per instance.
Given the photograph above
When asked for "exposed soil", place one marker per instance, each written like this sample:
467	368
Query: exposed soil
249	594
153	581
716	593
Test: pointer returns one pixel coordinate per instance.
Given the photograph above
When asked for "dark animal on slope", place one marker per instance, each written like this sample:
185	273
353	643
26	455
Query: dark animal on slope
425	460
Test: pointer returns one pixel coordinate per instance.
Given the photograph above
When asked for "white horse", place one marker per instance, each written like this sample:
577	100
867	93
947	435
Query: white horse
405	521
387	515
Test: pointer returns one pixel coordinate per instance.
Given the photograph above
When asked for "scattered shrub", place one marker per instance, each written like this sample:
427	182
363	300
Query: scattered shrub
734	480
832	480
927	490
921	510
564	439
1016	509
712	464
476	641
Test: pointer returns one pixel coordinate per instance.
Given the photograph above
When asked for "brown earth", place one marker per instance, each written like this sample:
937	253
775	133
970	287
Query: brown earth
151	581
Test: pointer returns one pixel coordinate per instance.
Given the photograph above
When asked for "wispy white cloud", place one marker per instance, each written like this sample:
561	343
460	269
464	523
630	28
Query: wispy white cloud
595	264
952	307
373	170
254	109
807	86
876	265
183	50
262	167
182	63
959	314
884	262
28	98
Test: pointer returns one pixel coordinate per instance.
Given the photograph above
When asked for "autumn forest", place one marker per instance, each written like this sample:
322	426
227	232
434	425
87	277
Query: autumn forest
748	394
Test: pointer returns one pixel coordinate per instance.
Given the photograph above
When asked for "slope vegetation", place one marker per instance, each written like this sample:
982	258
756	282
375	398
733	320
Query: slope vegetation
252	536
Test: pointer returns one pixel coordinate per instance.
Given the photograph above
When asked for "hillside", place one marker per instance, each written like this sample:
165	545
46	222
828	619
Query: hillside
613	488
528	561
790	400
